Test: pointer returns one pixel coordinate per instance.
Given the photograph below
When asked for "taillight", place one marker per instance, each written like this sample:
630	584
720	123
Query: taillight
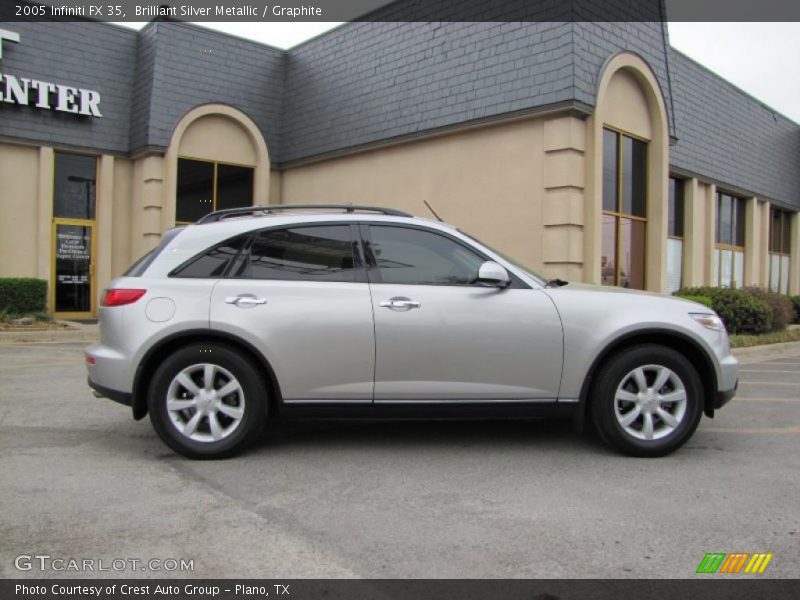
120	297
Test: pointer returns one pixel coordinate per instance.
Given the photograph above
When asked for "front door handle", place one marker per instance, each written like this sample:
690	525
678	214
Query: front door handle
400	303
245	300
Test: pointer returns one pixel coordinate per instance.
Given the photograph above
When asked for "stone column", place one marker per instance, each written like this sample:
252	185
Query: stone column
794	257
563	202
711	232
694	218
763	260
44	231
146	217
752	242
104	222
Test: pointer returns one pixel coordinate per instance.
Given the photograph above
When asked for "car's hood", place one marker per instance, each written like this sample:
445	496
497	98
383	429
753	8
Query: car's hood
609	291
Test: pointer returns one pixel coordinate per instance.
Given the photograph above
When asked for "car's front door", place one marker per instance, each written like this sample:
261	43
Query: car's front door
299	294
441	337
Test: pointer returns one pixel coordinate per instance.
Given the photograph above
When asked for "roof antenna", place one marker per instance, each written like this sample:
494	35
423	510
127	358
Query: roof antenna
430	208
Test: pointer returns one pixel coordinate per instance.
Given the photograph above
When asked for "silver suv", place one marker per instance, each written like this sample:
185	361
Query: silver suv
264	312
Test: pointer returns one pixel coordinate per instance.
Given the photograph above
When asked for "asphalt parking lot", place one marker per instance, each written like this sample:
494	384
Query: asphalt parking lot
81	479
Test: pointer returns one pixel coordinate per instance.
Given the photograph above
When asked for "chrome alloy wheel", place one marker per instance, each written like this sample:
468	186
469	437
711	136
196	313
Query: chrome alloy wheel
205	402
650	402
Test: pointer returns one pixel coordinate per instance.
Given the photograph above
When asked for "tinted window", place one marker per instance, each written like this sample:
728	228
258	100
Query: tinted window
214	262
323	253
415	257
195	195
634	177
675	207
730	220
610	174
74	186
140	266
234	186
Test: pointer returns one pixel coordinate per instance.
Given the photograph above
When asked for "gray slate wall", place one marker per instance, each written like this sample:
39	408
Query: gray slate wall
87	55
731	137
595	43
366	82
191	66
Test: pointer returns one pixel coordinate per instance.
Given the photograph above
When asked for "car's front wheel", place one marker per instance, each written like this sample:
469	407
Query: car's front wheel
647	401
207	401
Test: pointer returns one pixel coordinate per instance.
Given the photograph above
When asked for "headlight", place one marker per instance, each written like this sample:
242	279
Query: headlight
709	321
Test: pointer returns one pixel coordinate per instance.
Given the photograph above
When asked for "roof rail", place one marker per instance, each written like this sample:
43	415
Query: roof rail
219	215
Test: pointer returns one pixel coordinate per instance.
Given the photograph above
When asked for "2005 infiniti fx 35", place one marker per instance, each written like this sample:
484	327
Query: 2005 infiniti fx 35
332	310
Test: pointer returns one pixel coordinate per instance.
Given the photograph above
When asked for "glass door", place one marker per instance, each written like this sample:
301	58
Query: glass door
73	268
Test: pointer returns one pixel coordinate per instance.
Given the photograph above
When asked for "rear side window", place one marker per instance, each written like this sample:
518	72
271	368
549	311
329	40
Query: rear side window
213	263
140	266
316	253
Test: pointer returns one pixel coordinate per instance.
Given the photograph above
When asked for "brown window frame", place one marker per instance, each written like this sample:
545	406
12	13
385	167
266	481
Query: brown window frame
785	245
721	246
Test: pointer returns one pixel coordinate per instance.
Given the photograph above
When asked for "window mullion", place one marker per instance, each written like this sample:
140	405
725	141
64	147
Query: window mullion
214	188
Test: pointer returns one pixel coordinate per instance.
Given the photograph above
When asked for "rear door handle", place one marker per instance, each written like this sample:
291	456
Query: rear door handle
245	300
400	303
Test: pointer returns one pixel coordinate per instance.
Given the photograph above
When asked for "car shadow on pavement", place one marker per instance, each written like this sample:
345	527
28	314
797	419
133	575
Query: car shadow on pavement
332	435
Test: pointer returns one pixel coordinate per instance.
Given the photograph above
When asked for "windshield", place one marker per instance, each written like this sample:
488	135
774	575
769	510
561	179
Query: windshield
541	280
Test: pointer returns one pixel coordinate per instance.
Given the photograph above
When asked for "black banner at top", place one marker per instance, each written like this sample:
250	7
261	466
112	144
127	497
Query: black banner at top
400	10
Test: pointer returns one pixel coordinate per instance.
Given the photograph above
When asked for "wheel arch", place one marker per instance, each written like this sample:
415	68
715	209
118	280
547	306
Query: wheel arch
664	337
153	357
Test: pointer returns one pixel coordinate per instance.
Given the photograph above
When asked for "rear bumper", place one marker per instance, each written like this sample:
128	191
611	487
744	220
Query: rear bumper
115	395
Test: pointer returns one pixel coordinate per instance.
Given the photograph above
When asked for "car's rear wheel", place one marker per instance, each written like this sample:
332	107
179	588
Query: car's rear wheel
647	401
207	401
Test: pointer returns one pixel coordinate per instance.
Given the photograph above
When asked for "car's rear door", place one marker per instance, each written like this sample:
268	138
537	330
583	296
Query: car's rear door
299	294
440	337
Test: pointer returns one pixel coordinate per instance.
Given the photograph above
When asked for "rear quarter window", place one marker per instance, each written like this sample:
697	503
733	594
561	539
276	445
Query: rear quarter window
213	263
140	266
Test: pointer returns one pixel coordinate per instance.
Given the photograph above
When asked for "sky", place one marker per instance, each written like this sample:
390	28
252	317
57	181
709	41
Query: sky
763	59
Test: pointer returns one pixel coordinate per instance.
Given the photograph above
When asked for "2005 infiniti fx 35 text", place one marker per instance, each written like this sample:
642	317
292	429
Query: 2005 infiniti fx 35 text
331	310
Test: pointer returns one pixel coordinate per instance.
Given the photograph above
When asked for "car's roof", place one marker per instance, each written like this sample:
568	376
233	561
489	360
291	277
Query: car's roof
243	224
193	239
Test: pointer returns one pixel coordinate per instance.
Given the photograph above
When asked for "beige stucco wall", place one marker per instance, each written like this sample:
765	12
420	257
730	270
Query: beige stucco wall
217	137
488	181
19	174
625	105
121	232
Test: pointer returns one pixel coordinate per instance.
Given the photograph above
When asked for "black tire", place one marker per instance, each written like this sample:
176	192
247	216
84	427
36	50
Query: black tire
605	408
249	401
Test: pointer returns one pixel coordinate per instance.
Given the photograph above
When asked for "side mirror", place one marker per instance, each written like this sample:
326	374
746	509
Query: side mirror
493	274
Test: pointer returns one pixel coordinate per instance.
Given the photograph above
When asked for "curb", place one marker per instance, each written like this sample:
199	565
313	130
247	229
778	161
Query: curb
74	333
767	351
48	337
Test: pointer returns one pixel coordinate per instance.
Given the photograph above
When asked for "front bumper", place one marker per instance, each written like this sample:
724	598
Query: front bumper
723	397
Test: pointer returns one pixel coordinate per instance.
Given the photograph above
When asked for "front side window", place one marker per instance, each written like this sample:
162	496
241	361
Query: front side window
675	234
312	253
205	186
415	257
779	250
728	264
624	224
